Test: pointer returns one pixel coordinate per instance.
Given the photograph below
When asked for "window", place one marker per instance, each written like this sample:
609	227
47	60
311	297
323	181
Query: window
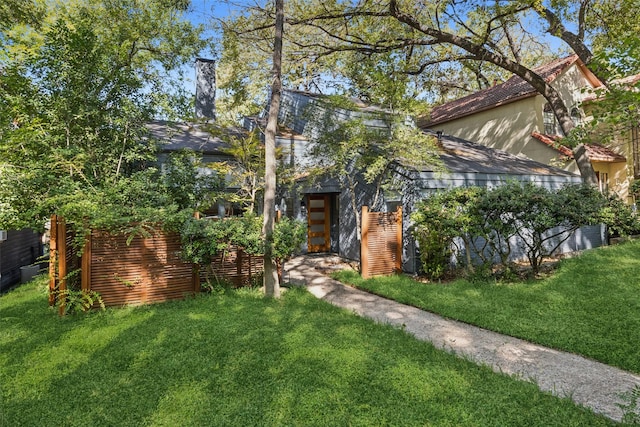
549	118
603	181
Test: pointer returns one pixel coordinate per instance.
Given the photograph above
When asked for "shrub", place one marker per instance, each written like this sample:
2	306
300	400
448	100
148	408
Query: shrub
487	220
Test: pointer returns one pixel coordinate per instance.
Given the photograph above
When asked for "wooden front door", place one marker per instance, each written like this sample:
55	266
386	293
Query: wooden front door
318	218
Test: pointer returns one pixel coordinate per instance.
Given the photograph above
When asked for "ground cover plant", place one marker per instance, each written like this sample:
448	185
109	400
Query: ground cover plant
239	359
589	305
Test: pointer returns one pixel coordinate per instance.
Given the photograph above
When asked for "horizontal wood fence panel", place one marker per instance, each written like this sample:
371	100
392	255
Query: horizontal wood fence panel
235	266
381	243
147	270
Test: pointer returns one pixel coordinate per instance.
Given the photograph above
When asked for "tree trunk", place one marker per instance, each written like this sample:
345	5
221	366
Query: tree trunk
271	282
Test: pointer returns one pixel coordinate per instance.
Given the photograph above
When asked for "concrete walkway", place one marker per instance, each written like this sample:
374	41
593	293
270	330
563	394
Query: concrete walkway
587	382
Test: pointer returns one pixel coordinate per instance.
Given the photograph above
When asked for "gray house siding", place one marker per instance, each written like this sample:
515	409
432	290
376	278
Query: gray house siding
21	249
425	183
300	111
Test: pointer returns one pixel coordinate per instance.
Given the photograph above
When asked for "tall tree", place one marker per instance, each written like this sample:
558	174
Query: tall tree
271	282
75	95
425	40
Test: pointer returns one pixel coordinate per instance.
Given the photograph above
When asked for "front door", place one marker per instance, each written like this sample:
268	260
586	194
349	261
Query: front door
318	221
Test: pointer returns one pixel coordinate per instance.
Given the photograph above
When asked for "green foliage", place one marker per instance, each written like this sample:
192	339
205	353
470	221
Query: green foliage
367	142
141	202
246	170
288	235
631	406
187	182
78	301
634	189
203	239
75	94
437	220
486	220
619	217
14	12
242	360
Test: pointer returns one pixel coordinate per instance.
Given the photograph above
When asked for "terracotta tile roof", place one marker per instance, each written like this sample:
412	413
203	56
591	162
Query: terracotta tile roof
551	141
628	83
595	152
513	89
600	153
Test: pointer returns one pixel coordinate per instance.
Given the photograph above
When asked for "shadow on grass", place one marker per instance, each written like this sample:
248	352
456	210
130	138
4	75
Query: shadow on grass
243	360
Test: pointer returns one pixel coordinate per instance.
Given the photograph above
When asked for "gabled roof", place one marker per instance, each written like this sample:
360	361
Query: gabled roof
172	136
595	152
512	90
356	103
462	156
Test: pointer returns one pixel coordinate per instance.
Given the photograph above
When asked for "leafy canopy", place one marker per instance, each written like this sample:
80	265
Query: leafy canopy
75	95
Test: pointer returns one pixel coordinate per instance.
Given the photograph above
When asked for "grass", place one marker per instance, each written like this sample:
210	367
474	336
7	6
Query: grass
590	305
241	360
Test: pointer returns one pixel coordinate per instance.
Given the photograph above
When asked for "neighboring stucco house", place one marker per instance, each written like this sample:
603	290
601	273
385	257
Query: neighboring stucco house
513	117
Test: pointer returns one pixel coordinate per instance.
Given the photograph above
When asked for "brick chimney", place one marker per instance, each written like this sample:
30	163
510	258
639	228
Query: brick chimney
205	89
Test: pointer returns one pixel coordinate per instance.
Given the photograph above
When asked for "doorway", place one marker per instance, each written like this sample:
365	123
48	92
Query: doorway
319	223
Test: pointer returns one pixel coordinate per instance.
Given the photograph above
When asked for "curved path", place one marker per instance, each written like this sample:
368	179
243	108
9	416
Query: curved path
586	382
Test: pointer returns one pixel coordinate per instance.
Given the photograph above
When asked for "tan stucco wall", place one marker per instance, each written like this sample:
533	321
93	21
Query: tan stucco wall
624	171
617	173
509	127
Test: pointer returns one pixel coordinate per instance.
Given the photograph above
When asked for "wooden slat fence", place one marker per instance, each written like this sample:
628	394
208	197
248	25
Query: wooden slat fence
381	243
63	258
147	270
235	266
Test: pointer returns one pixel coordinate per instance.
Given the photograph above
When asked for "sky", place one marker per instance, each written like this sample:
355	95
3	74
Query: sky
206	11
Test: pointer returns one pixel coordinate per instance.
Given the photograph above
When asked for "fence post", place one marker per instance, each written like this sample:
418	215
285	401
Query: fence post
85	266
53	258
62	263
196	278
239	252
364	243
398	266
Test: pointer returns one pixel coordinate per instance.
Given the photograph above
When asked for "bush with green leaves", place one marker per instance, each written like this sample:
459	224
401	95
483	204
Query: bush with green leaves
204	239
438	220
288	236
488	221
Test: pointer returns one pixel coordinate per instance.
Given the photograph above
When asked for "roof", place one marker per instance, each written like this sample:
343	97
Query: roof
174	136
512	90
595	152
358	103
459	155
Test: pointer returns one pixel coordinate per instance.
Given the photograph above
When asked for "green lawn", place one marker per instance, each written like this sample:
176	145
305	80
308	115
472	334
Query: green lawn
241	360
590	305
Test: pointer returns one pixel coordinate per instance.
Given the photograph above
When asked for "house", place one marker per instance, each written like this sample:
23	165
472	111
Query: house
513	117
328	207
332	223
19	252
